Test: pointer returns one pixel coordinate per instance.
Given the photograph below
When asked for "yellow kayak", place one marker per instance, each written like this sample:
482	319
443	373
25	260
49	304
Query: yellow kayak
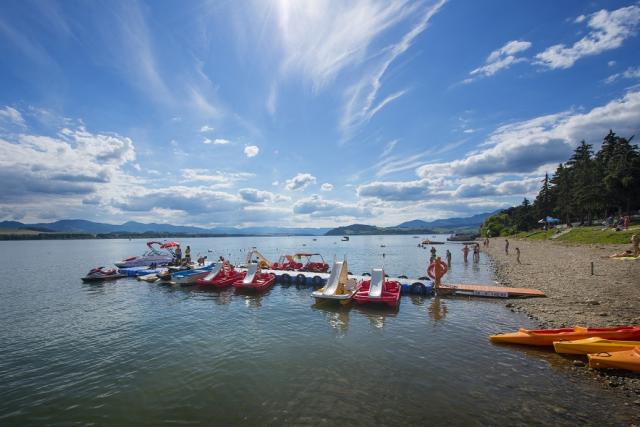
593	345
629	360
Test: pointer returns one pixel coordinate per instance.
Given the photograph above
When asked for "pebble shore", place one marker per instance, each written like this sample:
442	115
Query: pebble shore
575	297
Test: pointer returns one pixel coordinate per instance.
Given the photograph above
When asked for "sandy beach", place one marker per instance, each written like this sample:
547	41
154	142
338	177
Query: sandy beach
609	297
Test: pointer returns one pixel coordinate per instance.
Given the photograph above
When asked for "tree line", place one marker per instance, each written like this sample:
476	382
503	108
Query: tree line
586	187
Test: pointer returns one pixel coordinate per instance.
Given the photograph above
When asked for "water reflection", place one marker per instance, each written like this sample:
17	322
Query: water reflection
438	309
377	314
336	315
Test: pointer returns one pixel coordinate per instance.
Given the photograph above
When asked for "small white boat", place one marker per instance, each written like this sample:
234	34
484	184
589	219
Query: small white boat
161	255
339	286
190	277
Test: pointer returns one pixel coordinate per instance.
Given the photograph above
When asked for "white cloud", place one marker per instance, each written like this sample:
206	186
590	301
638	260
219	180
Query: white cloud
502	58
218	179
528	145
300	181
608	31
388	148
206	128
251	150
506	188
253	195
217	141
12	115
361	99
397	190
316	206
326	187
629	73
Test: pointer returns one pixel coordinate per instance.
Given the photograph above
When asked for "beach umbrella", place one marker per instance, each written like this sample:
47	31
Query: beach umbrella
168	245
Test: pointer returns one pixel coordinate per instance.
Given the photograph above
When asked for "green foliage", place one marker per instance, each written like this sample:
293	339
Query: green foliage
585	188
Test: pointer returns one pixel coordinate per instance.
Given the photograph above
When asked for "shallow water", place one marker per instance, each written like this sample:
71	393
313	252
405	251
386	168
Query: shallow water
134	353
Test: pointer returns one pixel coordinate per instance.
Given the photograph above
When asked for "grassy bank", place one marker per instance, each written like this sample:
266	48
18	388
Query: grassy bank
584	235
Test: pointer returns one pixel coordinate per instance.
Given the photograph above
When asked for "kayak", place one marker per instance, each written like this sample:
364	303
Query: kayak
548	336
629	359
593	345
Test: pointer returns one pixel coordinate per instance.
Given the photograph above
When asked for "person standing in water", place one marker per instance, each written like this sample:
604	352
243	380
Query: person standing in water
506	246
476	253
465	252
448	254
433	254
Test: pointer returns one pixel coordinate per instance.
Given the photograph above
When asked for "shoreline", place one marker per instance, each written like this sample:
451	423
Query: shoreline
609	297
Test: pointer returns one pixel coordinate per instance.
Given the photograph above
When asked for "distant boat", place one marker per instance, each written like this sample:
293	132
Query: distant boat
462	237
431	242
345	238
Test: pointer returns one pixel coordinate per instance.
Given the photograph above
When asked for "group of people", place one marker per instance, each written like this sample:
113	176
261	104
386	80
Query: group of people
178	259
476	252
506	250
621	223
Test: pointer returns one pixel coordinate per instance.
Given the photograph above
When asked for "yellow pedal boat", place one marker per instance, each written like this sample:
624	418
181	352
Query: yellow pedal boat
593	345
629	360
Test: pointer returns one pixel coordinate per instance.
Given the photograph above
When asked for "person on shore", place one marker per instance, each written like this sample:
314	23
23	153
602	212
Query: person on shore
518	255
506	246
433	254
626	222
187	254
465	252
476	253
178	255
448	255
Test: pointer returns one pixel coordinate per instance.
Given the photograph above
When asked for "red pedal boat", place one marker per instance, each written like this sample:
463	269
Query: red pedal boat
548	336
254	280
222	277
378	290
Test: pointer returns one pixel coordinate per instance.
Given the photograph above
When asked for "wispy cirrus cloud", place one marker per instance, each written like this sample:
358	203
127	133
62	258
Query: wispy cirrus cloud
629	73
501	59
608	30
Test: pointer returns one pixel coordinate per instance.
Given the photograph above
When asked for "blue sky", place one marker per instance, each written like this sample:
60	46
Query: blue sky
302	113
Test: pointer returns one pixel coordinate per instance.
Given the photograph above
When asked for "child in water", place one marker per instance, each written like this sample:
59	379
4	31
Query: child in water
465	252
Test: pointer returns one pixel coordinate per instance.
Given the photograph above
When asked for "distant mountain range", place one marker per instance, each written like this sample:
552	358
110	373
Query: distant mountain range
417	226
81	226
132	227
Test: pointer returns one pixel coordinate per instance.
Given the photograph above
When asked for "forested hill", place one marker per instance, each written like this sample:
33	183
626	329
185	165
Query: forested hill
587	186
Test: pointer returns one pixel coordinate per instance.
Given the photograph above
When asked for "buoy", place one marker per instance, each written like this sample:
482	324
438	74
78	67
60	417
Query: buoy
418	288
317	281
286	279
301	279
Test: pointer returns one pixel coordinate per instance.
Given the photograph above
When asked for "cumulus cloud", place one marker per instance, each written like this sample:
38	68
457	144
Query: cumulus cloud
253	195
195	200
206	128
502	58
217	141
396	190
326	187
218	178
11	115
525	146
74	162
629	73
608	30
300	181
316	206
251	150
505	188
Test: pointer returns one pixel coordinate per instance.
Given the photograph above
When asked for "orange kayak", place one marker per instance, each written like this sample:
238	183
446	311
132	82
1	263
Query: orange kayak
593	345
629	360
548	336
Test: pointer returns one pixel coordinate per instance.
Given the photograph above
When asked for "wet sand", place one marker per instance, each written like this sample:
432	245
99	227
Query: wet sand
609	297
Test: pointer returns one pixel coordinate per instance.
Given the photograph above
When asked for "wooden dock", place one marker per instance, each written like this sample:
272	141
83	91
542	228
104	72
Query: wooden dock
491	291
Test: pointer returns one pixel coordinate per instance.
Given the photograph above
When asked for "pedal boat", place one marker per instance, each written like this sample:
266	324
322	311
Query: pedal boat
254	280
221	278
593	345
378	290
546	337
339	287
629	360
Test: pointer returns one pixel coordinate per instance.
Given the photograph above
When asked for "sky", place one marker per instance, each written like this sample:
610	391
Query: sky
302	113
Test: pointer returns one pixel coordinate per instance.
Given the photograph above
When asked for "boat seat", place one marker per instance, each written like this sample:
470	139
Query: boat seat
377	282
252	269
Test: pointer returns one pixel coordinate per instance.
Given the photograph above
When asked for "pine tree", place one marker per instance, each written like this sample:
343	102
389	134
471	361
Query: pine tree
543	202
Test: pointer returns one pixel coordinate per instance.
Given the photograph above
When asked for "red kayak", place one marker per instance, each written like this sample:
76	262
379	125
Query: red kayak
379	290
548	336
223	278
252	280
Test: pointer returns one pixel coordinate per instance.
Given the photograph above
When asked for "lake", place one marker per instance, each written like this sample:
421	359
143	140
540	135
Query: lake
136	353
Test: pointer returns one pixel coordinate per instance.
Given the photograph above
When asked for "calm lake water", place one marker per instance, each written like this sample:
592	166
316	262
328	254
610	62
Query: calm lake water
135	353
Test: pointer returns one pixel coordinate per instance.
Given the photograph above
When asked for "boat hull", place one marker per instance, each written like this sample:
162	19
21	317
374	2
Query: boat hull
260	283
593	345
390	294
629	360
546	337
89	279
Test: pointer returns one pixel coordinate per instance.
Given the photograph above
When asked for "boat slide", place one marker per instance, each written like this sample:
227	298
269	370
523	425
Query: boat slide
251	274
377	282
339	286
214	272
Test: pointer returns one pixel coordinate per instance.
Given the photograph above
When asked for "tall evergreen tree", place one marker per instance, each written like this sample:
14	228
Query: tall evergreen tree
543	202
